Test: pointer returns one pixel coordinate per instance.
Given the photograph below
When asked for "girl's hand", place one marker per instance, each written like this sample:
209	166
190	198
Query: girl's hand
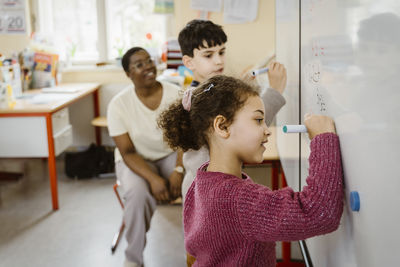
318	124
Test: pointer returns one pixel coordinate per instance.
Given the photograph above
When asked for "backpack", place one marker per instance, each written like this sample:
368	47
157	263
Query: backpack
89	163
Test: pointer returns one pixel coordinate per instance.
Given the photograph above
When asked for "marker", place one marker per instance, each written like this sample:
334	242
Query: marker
259	71
294	129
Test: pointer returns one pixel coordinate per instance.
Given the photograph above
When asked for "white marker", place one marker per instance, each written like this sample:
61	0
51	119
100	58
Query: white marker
259	71
294	129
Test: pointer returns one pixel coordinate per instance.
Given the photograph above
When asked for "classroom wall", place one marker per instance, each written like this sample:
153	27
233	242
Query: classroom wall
247	43
112	81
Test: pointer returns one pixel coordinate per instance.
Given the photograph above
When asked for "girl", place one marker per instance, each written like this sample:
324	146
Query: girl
228	219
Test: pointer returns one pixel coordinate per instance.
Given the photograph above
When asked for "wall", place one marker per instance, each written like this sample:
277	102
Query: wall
81	113
247	43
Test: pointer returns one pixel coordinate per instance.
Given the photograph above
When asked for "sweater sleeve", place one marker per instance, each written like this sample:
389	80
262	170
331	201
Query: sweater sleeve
273	102
285	215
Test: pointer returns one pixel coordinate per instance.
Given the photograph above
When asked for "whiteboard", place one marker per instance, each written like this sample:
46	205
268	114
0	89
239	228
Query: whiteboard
348	68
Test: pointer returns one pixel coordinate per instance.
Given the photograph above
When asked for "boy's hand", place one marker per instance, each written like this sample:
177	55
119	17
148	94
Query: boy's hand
277	76
318	124
246	75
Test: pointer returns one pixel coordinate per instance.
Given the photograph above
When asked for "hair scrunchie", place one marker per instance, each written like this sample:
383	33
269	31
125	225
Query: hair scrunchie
188	94
187	98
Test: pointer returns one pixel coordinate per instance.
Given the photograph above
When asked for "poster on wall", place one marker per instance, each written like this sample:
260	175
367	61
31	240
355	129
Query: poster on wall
12	17
236	11
207	5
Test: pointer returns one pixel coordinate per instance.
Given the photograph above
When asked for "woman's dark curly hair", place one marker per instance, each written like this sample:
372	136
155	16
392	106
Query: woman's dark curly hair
189	129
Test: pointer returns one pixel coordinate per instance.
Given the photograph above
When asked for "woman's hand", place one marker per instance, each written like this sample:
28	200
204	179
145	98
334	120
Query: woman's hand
175	184
159	189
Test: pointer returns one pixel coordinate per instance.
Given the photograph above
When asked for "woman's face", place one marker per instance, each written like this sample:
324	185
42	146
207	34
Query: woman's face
142	70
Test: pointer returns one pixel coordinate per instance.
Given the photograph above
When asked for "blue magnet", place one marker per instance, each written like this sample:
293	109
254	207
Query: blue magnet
354	201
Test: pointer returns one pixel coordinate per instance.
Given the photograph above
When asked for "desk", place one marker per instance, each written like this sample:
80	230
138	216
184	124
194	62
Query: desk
38	126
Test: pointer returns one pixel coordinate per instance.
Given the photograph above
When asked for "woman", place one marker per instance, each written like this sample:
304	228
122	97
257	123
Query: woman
148	170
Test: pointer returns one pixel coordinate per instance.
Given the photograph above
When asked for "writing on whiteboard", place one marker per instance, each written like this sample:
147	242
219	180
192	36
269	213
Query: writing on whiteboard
320	101
313	74
317	49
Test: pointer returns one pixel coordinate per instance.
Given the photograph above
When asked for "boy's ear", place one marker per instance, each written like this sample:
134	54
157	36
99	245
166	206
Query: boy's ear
221	127
188	62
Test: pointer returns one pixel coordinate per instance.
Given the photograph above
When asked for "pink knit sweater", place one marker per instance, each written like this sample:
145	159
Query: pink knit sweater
234	222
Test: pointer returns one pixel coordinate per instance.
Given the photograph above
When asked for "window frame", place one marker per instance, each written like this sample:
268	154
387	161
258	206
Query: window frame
42	9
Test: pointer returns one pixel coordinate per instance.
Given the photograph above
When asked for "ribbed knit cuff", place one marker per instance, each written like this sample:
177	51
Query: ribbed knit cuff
325	156
326	142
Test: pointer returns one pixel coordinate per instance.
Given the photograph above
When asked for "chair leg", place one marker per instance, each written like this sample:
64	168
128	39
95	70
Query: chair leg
115	187
117	238
118	235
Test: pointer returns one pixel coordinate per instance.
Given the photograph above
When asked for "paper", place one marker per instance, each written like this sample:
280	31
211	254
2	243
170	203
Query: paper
46	98
12	17
164	6
61	89
207	5
238	11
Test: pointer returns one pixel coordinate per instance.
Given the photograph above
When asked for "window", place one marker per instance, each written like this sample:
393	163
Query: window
100	30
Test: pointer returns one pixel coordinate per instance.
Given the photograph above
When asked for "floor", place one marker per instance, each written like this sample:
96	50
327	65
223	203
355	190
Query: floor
81	231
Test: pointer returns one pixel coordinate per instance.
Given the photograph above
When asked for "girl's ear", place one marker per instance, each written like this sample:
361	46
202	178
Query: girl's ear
221	127
188	62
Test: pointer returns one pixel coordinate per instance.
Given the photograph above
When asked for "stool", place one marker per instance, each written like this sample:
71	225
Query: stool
99	122
118	235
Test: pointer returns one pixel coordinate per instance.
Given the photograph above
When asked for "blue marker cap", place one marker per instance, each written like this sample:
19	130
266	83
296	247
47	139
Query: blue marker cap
259	71
354	201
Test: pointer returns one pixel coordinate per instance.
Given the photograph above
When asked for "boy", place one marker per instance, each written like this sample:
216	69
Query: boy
203	48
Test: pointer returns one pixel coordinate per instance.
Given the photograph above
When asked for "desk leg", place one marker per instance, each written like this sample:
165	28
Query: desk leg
52	163
275	175
286	246
97	114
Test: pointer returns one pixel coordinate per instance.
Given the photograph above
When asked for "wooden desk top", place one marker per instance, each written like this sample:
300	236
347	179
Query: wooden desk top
35	101
271	152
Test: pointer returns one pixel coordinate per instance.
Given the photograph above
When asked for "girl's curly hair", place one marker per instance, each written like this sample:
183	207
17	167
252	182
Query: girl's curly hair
188	129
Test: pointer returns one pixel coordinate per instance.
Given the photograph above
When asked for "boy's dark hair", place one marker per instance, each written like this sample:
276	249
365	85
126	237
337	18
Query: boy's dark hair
188	129
127	56
196	32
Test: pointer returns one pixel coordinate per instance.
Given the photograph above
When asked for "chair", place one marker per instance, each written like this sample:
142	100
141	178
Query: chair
190	260
118	235
101	122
